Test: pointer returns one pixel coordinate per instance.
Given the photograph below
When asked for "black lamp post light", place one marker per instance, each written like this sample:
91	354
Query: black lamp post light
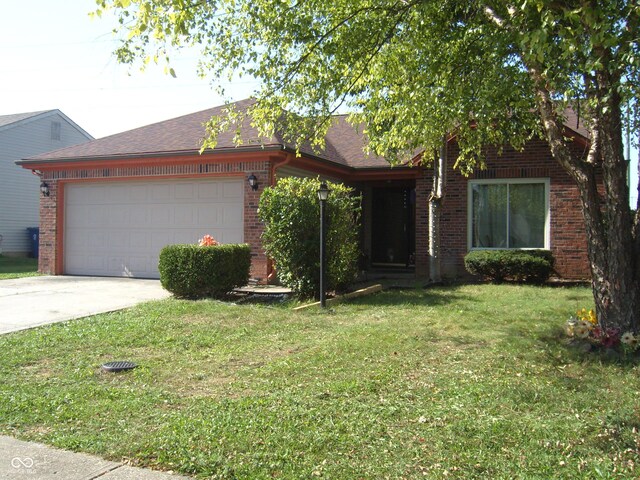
44	189
323	194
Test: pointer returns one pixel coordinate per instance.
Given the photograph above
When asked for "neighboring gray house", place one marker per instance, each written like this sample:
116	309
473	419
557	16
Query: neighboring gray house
23	135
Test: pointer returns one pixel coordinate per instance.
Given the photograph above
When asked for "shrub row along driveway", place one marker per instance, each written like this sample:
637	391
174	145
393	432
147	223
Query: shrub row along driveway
34	301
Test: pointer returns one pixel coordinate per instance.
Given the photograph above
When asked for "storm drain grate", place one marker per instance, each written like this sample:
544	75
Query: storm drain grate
118	366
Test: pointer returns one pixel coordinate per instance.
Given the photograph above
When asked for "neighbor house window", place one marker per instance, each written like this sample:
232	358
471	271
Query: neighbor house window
509	213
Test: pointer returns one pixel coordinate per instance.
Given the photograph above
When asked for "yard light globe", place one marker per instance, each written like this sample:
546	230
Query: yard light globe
323	192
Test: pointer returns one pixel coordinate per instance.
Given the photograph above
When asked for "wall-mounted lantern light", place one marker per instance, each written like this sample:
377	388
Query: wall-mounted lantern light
44	189
253	182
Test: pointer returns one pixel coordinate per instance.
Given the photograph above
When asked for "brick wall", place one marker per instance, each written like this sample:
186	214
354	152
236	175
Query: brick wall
566	223
51	236
423	189
47	255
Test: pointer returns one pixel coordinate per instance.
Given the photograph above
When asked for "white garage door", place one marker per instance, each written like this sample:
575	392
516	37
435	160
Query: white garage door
117	229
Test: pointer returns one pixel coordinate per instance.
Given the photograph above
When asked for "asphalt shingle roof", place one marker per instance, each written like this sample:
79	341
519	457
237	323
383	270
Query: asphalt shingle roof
183	135
344	142
18	117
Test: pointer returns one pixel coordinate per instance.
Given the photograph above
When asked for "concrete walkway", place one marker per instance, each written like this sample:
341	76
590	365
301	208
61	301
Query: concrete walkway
34	301
35	461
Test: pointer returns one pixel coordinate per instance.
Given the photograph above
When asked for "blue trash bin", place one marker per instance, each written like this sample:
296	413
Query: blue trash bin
34	240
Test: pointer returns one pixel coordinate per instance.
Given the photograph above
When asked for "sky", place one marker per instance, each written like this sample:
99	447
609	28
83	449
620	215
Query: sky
53	55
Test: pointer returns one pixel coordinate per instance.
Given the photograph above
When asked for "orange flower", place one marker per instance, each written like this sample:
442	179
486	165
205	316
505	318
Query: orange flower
207	241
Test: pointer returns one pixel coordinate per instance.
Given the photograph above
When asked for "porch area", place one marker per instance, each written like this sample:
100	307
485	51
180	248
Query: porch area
388	229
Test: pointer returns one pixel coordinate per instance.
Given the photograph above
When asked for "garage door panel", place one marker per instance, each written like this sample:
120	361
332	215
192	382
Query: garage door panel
160	239
77	216
232	215
116	194
208	191
96	195
138	265
139	241
231	238
116	266
232	190
75	240
119	228
161	193
118	240
92	262
160	215
75	197
184	191
76	263
184	216
138	193
117	215
208	215
185	236
96	240
139	215
96	216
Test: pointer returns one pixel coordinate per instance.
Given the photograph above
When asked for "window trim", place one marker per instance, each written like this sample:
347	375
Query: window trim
506	181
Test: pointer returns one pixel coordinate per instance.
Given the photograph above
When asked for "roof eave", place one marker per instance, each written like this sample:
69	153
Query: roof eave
139	155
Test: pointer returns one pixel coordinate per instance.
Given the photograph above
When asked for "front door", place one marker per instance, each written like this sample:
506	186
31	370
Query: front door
393	237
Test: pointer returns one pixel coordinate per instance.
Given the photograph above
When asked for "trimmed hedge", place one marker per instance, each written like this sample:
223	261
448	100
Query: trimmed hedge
529	266
192	271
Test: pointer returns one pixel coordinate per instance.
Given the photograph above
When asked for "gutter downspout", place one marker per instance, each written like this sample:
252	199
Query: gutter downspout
276	165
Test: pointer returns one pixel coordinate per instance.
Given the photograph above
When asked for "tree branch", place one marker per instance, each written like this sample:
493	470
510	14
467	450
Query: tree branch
379	45
293	70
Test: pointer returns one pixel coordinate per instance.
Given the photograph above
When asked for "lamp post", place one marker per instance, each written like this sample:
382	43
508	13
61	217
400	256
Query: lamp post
323	194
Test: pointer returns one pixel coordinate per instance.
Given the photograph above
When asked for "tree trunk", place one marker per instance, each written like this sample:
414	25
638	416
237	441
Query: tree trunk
435	208
612	251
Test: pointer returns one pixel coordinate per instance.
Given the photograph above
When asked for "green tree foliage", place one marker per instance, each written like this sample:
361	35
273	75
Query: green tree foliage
489	71
291	213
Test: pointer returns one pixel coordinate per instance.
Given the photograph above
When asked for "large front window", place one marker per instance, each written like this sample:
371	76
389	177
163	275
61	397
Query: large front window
509	213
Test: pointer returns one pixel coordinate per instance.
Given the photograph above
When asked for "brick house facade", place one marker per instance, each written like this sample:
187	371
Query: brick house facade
566	225
168	152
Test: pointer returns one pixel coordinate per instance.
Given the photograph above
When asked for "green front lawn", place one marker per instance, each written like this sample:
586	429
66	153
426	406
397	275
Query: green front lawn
16	267
458	382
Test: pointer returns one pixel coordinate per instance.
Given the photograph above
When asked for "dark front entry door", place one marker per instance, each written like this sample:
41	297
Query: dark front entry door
393	237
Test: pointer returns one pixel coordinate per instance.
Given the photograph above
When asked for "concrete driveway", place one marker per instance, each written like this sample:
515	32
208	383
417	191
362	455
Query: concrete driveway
30	302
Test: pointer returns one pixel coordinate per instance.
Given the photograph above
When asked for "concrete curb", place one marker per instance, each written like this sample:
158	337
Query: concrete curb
35	461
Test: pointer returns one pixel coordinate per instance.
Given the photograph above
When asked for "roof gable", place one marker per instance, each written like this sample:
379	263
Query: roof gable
14	120
19	118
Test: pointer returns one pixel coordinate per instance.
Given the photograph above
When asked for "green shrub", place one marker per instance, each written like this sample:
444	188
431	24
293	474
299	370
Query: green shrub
531	266
291	213
191	271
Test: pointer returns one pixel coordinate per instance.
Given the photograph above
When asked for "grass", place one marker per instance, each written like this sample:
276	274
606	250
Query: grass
17	267
458	382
